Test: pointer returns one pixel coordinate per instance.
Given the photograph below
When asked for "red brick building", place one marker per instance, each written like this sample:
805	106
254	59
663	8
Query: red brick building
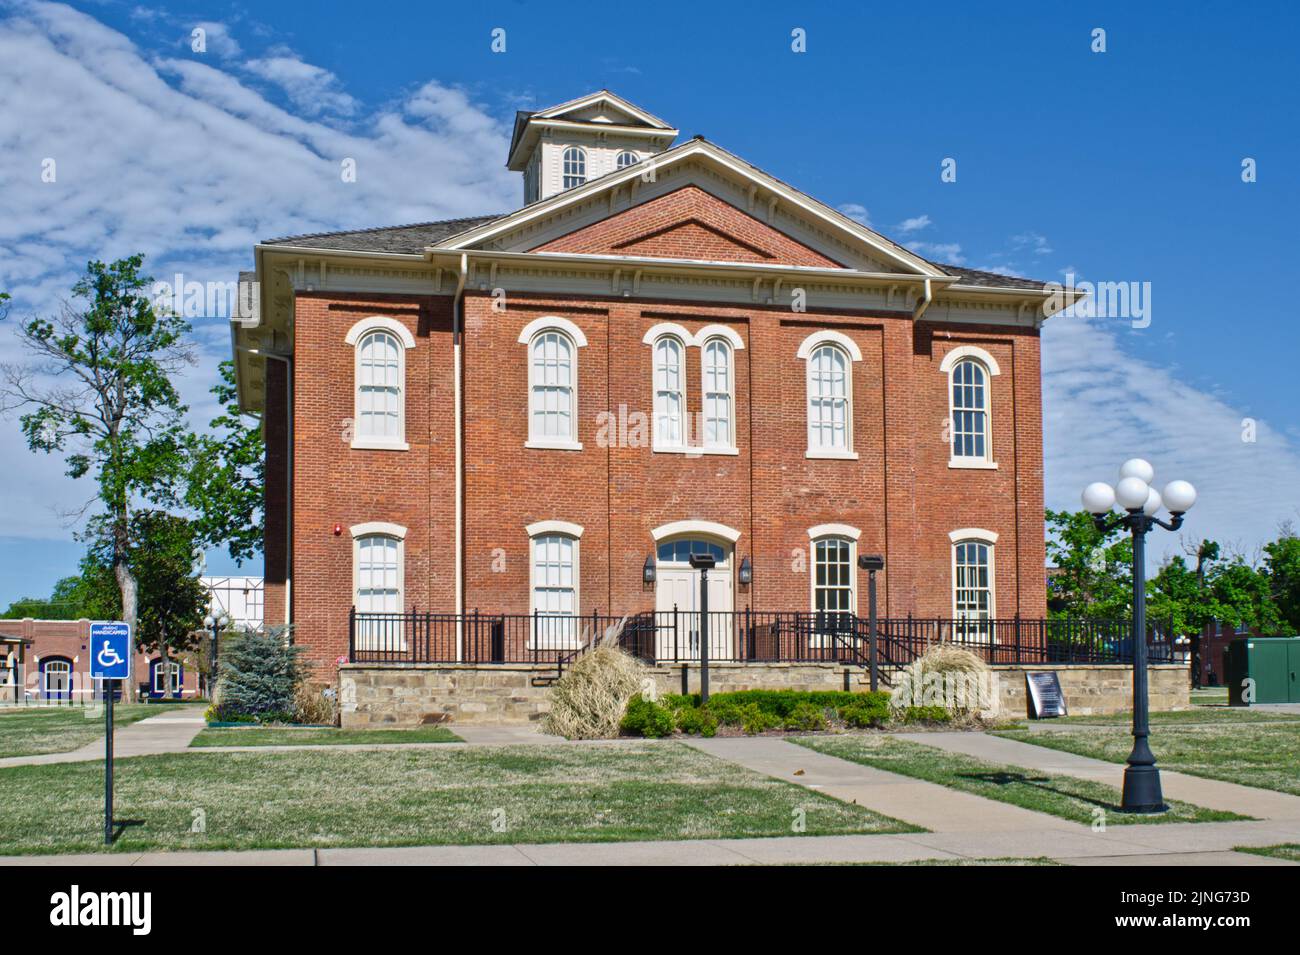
664	351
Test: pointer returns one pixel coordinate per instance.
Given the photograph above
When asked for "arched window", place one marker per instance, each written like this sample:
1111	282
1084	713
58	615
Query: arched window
379	416
627	158
555	585
833	590
159	683
970	412
379	577
970	371
552	400
575	167
56	678
719	430
972	579
670	392
829	403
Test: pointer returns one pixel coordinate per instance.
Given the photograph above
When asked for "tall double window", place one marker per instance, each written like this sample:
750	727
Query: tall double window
973	594
379	408
713	429
554	569
378	582
553	344
830	356
970	371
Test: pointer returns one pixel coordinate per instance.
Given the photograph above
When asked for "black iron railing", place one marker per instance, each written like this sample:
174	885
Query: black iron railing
673	636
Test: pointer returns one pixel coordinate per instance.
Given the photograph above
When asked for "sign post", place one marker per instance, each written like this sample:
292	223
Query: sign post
110	661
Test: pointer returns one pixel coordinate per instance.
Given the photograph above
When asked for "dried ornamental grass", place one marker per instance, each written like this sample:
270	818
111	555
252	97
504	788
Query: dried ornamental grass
947	676
589	700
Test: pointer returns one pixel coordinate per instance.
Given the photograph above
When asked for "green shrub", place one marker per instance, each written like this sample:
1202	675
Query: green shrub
806	716
259	676
753	719
926	714
865	713
696	720
646	718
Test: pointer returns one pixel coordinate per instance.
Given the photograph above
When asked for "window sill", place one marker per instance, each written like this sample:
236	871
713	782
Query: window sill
972	464
695	452
554	445
376	444
832	455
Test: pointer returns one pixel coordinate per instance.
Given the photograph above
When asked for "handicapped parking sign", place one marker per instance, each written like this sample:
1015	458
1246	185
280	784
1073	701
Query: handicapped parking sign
110	651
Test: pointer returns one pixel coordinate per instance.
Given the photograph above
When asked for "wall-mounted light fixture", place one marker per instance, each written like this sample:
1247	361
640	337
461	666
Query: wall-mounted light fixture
746	572
648	571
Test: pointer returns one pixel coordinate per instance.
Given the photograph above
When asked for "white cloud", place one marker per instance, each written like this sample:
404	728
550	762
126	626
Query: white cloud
941	252
857	212
218	40
914	224
1032	242
179	159
1102	406
311	88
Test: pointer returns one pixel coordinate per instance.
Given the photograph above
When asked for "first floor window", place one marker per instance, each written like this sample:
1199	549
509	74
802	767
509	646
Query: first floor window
833	575
973	582
166	678
379	593
555	590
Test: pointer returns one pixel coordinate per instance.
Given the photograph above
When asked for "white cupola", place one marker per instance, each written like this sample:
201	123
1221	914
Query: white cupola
581	140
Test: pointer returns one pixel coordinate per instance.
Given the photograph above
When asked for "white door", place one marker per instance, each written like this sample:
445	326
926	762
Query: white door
677	588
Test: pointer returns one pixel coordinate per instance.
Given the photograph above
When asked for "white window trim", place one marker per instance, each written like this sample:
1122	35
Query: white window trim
949	365
821	639
380	529
695	528
356	333
730	447
538	326
981	536
543	529
684	339
720	331
805	352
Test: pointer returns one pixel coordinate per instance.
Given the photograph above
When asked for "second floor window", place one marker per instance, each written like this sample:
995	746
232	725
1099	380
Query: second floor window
379	387
670	392
970	418
551	417
828	399
575	167
718	401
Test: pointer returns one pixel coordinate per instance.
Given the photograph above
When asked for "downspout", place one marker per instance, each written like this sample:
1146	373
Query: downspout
288	489
458	322
924	303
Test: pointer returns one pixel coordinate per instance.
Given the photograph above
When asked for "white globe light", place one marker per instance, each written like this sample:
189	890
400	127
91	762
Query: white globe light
1154	502
1131	493
1179	496
1098	497
1138	468
208	621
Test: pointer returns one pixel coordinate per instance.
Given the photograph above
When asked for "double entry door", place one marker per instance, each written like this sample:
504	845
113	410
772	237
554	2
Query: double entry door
677	589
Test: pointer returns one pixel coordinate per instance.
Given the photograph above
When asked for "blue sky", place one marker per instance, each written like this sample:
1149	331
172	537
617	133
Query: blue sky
1115	166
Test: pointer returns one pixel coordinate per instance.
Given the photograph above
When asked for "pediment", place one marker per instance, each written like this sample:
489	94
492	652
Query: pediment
688	223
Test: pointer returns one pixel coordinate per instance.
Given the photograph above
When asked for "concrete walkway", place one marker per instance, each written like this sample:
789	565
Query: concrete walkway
1210	793
168	732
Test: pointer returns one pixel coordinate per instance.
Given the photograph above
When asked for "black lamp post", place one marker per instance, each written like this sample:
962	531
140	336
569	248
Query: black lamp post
872	563
216	623
1141	503
704	563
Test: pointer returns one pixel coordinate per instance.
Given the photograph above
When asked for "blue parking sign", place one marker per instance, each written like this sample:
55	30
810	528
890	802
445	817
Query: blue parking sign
110	651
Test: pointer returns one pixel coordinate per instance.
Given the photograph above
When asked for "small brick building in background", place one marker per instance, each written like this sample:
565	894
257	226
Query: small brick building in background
664	351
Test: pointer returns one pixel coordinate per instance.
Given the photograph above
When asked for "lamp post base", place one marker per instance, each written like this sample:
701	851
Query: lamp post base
1142	791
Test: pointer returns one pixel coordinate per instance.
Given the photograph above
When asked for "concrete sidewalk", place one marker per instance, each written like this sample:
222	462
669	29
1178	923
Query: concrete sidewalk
1210	793
168	732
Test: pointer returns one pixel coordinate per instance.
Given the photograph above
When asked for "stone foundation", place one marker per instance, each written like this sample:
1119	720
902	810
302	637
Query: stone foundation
408	694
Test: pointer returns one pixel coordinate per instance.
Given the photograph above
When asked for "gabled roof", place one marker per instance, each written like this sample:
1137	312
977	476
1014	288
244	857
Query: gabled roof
631	119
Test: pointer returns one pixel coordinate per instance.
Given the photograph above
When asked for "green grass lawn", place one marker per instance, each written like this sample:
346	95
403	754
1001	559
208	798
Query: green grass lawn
1065	796
1210	695
61	729
318	736
1266	755
1200	714
334	797
1287	850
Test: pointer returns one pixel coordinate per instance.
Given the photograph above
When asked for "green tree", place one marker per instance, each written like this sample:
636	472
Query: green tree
1240	595
226	474
98	389
1282	562
1175	596
1094	576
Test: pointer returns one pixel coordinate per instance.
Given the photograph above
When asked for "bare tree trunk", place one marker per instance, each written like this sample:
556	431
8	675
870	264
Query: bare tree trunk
126	584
